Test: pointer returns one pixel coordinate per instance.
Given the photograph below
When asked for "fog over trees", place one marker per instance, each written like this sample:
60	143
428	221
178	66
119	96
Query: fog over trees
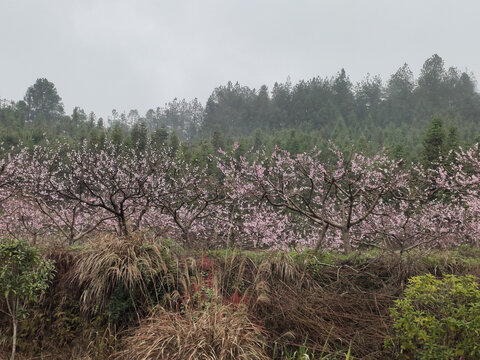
395	113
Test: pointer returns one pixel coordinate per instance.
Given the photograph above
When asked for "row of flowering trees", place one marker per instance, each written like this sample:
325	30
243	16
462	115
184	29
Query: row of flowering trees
254	199
74	192
363	201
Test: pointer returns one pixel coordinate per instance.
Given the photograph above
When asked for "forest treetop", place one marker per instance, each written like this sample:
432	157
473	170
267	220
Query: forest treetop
367	115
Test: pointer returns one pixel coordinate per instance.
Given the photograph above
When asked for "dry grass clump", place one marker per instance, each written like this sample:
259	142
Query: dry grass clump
137	264
218	332
336	313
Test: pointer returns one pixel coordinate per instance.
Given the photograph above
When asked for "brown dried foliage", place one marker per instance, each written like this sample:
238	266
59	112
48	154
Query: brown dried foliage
218	332
134	263
346	307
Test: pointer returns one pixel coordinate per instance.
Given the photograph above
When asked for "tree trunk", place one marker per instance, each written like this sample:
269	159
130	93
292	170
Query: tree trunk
230	227
14	336
12	310
186	238
322	236
122	223
346	241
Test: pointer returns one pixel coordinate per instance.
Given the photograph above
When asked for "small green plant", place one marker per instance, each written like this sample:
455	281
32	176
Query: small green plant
24	276
438	318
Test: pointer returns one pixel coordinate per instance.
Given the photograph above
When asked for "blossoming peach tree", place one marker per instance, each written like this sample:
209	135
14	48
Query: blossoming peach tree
258	199
336	196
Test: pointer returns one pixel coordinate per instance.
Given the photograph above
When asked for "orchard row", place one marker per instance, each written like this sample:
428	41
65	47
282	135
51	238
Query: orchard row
255	199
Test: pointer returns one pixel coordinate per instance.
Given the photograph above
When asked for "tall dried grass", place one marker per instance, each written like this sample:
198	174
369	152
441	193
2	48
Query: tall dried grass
195	285
137	264
342	310
218	332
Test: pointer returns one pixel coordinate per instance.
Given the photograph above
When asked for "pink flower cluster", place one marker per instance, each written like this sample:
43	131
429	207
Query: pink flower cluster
276	200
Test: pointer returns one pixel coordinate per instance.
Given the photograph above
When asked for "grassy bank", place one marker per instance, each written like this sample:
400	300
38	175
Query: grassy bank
140	298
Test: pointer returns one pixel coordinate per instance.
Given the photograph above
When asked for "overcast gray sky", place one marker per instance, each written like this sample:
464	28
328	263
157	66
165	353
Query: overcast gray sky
106	54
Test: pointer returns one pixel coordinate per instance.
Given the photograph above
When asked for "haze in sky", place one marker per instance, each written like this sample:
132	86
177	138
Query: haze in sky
119	54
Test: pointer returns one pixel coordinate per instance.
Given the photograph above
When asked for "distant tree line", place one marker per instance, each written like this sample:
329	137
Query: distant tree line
415	119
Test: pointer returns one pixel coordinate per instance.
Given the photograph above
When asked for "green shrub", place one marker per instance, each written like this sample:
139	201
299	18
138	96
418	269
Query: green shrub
24	276
438	319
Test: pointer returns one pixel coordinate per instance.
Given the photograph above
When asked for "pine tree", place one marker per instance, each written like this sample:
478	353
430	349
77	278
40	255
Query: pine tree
117	134
452	144
434	142
160	137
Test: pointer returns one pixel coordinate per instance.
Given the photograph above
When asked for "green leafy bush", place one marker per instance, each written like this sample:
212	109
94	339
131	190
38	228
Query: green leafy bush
24	276
438	318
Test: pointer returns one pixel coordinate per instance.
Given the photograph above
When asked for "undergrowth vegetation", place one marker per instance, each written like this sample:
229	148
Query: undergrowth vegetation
137	270
216	332
438	319
144	298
